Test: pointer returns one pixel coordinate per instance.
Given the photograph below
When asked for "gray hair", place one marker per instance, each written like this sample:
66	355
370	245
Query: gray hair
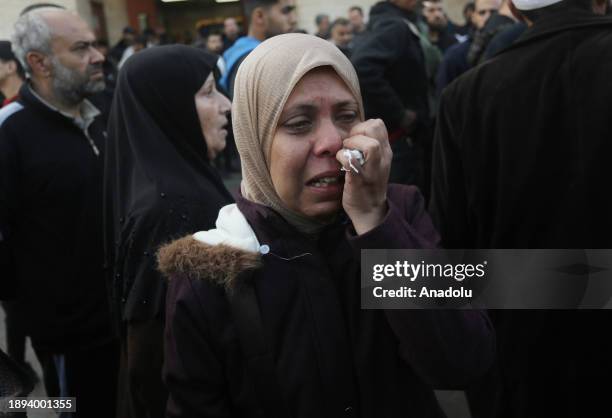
32	33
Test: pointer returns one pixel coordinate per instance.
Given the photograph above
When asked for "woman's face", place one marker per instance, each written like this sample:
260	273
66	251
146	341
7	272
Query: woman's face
212	108
317	117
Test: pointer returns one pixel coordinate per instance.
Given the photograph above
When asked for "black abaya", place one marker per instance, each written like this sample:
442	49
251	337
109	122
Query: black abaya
159	186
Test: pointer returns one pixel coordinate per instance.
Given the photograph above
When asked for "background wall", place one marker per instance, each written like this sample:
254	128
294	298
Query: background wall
9	12
115	12
116	18
454	10
138	7
179	17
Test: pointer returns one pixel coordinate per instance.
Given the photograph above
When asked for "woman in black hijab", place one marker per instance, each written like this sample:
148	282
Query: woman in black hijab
166	125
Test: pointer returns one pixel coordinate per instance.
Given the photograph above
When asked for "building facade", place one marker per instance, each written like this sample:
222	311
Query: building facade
109	17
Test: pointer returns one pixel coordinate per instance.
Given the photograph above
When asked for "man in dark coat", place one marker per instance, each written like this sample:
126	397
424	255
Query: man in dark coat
468	26
394	83
231	32
439	31
504	39
127	39
341	35
496	24
455	60
521	152
323	26
358	24
51	147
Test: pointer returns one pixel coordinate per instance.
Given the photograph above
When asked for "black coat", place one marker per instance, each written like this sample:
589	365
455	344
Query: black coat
504	39
453	65
51	224
391	67
522	159
525	137
330	358
496	24
159	184
446	39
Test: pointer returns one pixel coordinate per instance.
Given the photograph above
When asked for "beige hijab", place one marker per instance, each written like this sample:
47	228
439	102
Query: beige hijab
263	84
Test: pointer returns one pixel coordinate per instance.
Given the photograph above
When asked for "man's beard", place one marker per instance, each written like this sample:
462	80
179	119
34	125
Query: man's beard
274	32
72	88
273	28
437	26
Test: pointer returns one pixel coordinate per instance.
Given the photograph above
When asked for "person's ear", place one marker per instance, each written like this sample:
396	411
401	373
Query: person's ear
517	14
39	63
259	16
12	67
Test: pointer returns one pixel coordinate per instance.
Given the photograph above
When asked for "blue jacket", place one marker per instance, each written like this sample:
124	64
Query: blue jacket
242	47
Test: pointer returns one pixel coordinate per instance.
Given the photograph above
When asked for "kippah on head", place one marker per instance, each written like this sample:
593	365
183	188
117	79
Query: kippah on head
40	6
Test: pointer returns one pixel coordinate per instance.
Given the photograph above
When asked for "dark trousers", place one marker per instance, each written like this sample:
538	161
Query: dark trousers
142	393
89	375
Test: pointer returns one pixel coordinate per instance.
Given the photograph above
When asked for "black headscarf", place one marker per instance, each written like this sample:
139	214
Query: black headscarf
159	184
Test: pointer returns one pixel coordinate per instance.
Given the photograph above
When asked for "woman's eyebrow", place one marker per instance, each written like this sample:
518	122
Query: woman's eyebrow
298	109
308	107
346	103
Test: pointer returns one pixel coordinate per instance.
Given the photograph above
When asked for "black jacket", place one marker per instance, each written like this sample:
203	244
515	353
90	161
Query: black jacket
391	67
51	224
522	159
330	357
496	24
504	39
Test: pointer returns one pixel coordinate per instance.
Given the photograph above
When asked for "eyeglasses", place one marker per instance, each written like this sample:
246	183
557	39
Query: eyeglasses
485	11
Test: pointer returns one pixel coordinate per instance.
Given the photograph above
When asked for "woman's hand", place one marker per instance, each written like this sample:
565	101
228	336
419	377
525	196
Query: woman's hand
365	193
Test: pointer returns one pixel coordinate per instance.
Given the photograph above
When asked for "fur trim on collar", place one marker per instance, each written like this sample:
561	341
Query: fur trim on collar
220	264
